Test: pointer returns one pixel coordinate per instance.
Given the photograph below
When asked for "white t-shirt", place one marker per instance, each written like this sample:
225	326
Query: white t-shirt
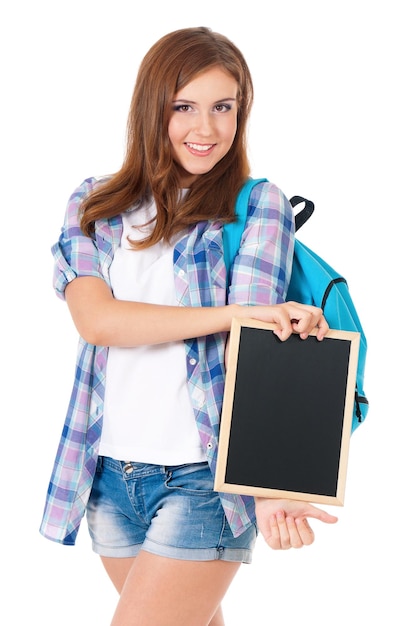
148	416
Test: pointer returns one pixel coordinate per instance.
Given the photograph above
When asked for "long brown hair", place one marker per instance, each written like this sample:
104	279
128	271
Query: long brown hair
149	169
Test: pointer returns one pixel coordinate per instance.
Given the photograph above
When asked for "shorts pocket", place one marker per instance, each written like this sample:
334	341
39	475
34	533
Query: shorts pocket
195	478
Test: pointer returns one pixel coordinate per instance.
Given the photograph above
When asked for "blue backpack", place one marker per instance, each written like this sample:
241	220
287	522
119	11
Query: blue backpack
313	282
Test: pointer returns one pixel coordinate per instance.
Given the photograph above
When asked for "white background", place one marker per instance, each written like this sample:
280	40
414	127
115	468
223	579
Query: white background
333	120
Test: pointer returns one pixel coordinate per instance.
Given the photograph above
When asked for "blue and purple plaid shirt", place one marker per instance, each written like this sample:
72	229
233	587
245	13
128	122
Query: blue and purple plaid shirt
260	275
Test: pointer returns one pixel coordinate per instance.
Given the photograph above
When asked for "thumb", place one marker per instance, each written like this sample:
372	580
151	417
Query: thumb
321	515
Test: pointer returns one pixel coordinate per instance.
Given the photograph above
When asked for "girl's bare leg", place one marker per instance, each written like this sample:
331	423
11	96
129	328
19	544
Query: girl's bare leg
157	591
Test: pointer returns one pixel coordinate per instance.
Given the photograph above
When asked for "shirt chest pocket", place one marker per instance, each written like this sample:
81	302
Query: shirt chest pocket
200	269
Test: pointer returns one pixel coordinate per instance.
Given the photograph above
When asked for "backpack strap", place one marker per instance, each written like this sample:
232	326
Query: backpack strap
232	231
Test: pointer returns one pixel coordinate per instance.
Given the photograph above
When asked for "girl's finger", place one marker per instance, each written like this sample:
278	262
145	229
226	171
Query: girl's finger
296	540
305	531
283	530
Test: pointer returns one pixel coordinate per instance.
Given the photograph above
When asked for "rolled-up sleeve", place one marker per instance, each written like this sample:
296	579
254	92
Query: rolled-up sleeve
263	265
75	254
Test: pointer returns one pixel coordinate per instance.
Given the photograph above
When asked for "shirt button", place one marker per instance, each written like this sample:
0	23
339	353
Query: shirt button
209	446
192	361
181	273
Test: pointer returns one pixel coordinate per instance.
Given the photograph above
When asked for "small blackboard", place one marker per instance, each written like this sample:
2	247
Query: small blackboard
287	414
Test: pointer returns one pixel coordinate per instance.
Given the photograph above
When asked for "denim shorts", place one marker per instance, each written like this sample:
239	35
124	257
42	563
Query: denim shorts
171	511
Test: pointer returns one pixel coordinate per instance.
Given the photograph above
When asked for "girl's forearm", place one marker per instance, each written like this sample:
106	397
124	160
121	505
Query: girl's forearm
133	323
103	320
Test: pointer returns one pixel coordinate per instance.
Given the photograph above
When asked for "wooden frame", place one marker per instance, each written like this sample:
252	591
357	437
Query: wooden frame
287	414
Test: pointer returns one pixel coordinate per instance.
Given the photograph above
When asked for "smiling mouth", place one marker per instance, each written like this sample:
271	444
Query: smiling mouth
201	149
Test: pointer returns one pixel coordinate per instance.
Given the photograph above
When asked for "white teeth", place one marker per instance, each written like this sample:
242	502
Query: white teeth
196	146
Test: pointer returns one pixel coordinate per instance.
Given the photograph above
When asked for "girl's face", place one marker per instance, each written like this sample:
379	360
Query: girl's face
203	123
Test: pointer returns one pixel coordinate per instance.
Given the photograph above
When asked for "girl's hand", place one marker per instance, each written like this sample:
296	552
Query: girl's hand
290	317
284	523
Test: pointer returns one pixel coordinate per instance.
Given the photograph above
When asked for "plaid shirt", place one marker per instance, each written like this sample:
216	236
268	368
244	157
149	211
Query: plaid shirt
260	275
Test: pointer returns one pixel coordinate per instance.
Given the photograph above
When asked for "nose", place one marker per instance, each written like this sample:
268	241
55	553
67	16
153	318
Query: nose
203	124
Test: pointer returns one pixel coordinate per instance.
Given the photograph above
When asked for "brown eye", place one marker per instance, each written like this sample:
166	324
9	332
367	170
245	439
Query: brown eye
182	108
222	108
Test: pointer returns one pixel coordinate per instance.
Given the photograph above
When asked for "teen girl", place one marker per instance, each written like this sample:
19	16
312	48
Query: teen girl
140	265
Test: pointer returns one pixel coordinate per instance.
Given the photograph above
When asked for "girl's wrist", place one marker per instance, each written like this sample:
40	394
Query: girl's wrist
235	310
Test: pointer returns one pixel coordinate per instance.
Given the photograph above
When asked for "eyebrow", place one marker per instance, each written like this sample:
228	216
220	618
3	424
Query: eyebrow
184	100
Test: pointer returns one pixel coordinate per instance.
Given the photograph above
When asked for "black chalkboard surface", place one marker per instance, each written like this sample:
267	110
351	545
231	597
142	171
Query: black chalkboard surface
287	414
